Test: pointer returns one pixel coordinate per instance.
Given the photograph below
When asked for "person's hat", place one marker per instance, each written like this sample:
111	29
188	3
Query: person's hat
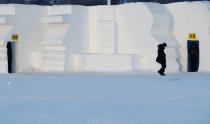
164	44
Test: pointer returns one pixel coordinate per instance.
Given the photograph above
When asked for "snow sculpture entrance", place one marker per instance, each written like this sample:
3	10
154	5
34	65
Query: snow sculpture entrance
193	53
11	56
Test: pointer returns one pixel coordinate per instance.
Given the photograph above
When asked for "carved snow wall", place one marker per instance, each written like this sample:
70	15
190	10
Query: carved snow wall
162	31
6	14
117	38
53	48
191	17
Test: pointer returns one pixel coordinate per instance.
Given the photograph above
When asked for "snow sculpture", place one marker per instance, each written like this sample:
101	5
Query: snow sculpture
191	17
104	38
53	53
162	31
102	55
134	34
6	11
106	34
103	62
102	30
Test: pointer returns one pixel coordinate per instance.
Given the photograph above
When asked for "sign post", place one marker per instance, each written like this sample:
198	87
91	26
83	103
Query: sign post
15	37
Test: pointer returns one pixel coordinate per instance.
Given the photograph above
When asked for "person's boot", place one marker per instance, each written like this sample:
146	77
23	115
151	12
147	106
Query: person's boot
161	73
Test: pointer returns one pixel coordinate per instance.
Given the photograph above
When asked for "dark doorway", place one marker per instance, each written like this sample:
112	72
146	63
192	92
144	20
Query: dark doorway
193	55
11	56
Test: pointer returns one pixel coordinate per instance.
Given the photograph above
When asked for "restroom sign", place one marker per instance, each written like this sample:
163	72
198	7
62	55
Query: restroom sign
192	36
14	37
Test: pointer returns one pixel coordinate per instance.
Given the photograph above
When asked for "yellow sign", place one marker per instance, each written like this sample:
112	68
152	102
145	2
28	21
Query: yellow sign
14	37
192	36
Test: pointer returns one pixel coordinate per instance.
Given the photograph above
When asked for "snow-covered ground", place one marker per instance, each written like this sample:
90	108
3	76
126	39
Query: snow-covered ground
89	98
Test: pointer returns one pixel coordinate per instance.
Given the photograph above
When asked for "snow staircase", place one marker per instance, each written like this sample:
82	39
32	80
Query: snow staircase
162	32
53	52
6	11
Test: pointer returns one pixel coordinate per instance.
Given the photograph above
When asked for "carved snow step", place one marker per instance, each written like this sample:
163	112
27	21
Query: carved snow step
59	10
55	48
7	10
55	19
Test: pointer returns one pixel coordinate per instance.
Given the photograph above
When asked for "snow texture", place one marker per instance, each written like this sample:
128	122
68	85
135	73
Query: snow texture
88	98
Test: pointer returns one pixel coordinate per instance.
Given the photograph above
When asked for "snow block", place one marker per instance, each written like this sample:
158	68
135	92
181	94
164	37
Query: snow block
134	32
59	10
52	19
52	42
6	20
4	30
172	65
54	62
7	9
37	60
171	53
55	34
54	58
103	63
3	56
53	65
3	66
105	13
52	68
59	56
51	53
137	63
54	48
1	42
55	19
106	36
3	49
2	20
102	32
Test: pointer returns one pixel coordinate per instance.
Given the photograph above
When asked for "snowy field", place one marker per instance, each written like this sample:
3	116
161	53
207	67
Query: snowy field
182	98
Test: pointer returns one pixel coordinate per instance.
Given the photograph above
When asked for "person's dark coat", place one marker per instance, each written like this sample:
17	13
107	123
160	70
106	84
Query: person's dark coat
161	58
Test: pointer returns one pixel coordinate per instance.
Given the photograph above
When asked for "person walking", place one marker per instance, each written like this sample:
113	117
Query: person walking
161	58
